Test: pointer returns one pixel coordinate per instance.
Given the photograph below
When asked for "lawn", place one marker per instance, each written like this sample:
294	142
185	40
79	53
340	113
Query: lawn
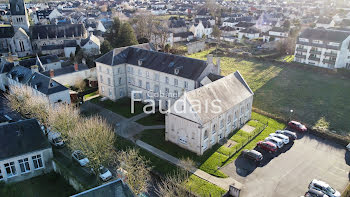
314	97
121	106
218	155
162	167
153	119
50	184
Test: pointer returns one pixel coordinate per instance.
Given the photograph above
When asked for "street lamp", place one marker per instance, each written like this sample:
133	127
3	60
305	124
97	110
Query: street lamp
290	115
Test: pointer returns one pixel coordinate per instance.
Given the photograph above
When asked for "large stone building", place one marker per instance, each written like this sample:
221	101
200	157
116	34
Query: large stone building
24	151
204	116
323	48
158	76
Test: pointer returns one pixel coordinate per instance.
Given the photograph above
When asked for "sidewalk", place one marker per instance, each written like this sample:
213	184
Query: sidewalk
224	183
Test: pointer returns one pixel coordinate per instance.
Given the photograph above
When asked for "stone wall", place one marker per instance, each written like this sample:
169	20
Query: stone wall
195	47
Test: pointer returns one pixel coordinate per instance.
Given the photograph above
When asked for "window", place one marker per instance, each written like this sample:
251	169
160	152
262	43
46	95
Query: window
109	81
132	70
129	68
121	93
10	169
166	91
147	86
120	81
100	68
176	93
147	74
110	92
140	83
107	70
156	88
38	163
101	79
167	80
205	134
229	119
140	72
118	70
176	82
186	85
183	140
24	165
214	129
156	76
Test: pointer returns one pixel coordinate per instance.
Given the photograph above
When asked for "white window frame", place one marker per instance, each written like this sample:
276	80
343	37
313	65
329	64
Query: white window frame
176	82
25	163
12	167
36	158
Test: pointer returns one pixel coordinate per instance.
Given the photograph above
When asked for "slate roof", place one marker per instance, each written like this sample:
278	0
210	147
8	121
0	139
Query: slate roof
189	68
70	43
325	35
183	34
111	189
43	59
250	31
230	90
62	30
244	24
177	23
6	31
324	20
52	47
21	137
214	77
36	80
66	70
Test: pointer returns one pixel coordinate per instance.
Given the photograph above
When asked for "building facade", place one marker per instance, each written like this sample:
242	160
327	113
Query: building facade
323	48
24	151
194	123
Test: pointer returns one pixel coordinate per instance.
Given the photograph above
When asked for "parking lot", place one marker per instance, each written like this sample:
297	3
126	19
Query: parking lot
289	172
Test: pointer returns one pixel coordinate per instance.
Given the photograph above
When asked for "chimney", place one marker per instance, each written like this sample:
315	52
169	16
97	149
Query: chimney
76	67
210	59
34	68
218	65
52	73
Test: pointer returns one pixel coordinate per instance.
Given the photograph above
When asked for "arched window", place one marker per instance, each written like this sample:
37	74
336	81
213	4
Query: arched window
206	134
214	128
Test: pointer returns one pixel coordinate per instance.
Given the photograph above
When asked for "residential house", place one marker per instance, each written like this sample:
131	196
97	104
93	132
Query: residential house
325	22
157	76
24	151
275	34
40	84
250	33
203	28
323	48
204	116
15	41
90	45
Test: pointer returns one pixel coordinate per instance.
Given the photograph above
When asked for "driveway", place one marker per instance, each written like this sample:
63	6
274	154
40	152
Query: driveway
288	173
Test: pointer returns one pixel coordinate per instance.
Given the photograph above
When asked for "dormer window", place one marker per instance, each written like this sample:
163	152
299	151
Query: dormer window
176	71
140	62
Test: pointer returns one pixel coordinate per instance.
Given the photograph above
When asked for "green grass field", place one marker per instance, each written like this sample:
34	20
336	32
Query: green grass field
50	184
153	119
314	97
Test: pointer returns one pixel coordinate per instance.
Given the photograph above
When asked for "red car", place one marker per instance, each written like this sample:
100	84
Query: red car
297	126
268	146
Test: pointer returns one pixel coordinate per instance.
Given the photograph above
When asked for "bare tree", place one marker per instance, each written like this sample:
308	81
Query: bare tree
286	46
173	185
22	100
160	33
95	138
80	84
144	24
137	168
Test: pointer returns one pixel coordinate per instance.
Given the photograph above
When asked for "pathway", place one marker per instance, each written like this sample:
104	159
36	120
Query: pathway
224	183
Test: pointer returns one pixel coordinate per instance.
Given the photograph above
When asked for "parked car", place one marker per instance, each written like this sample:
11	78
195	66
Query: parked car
284	138
324	188
315	193
252	154
348	147
279	143
55	139
79	157
105	174
268	146
297	126
290	134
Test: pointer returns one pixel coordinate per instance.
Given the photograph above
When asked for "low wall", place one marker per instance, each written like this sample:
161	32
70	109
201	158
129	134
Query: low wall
60	169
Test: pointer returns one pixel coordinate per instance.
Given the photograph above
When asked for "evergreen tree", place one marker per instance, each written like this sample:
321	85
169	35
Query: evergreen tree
127	35
106	47
113	33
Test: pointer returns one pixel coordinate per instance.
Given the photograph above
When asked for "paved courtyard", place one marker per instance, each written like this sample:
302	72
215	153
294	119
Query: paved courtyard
289	173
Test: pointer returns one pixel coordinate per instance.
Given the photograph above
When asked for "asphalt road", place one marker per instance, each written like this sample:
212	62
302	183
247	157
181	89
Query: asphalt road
289	173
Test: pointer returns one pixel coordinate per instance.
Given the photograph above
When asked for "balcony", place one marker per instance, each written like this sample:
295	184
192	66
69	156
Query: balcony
315	52
314	58
300	56
301	49
330	54
328	61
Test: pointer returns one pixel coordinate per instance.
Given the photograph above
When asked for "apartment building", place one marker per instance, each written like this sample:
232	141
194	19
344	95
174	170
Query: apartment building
157	76
210	113
323	48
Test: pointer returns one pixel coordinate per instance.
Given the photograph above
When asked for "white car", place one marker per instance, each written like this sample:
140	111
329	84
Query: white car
324	187
348	147
279	143
105	174
284	138
80	158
